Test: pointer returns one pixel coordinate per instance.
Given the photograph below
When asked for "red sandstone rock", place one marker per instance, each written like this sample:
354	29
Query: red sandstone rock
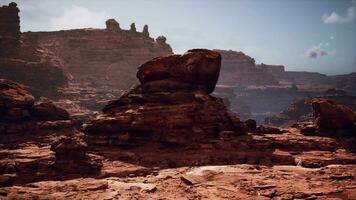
168	107
240	69
112	25
330	115
9	30
251	124
48	111
71	157
197	67
267	129
14	95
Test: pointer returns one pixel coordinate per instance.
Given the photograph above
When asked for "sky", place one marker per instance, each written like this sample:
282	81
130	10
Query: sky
303	35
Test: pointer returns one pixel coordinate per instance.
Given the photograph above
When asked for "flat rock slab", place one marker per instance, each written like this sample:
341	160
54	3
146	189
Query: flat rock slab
208	182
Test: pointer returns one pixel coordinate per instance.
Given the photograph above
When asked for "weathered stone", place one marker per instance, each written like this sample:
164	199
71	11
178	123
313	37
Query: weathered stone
251	124
112	25
145	32
71	156
14	95
332	116
267	129
197	67
9	30
171	105
48	111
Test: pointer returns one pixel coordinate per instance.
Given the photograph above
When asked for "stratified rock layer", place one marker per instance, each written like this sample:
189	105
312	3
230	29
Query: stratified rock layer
105	57
20	114
332	116
178	110
31	65
9	30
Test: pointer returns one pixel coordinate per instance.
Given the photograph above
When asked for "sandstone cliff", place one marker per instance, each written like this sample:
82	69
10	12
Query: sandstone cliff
38	68
240	69
103	56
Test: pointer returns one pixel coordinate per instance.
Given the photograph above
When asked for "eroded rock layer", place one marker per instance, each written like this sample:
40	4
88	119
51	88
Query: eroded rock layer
102	56
9	30
171	105
31	65
19	113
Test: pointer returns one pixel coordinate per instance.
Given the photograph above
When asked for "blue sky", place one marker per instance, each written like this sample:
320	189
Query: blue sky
303	35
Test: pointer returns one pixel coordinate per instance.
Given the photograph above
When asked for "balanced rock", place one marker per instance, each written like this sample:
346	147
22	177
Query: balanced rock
332	116
172	105
198	68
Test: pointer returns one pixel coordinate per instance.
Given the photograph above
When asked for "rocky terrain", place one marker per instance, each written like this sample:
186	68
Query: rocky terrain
168	138
79	120
69	65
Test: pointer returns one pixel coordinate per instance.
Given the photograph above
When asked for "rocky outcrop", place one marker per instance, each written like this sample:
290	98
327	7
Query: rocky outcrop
332	116
172	104
28	64
18	111
9	30
71	157
196	69
301	109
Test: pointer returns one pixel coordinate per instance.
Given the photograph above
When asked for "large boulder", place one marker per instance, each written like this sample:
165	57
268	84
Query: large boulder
332	116
72	157
14	95
198	67
19	113
172	105
48	111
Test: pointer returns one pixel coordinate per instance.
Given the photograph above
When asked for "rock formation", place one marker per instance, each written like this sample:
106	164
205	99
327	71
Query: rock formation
331	116
27	64
112	26
240	69
9	30
301	109
172	104
18	111
72	157
104	59
145	32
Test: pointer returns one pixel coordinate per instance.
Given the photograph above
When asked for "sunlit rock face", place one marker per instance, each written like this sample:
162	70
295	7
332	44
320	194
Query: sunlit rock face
105	56
169	105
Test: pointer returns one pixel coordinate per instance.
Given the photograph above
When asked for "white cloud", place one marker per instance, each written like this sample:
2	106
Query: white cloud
318	51
332	37
334	17
79	17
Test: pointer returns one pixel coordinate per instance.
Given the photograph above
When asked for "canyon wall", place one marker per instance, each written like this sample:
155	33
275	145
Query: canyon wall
240	69
102	56
31	65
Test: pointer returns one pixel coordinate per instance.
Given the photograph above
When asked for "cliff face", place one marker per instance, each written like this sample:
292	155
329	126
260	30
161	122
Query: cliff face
9	30
105	56
240	69
31	65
